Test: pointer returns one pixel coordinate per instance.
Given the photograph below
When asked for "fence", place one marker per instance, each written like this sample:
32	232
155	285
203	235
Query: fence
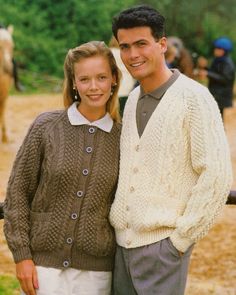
230	201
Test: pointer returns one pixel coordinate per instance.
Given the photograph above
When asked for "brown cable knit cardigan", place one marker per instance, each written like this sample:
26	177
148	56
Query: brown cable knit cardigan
59	195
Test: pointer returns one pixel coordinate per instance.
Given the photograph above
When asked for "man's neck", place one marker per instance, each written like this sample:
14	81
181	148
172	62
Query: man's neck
151	83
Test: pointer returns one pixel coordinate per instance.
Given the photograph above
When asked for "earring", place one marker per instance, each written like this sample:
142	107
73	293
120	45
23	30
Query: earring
75	95
113	88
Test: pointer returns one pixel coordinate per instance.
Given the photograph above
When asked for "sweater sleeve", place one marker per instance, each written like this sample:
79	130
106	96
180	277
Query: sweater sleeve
210	159
22	186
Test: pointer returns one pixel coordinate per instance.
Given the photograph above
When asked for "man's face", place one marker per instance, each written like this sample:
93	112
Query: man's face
142	55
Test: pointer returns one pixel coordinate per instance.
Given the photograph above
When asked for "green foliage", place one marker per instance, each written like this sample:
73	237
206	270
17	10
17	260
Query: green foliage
44	30
9	285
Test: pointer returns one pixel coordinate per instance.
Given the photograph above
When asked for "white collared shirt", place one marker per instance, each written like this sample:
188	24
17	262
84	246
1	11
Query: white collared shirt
76	118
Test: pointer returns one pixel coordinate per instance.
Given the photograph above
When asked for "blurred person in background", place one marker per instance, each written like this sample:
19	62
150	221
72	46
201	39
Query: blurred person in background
183	59
170	56
221	74
201	64
63	183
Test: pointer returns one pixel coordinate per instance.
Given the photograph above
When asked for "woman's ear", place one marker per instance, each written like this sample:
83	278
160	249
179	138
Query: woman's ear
113	83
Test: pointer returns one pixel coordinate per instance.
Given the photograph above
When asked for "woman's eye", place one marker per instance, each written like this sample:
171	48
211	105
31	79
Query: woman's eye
83	79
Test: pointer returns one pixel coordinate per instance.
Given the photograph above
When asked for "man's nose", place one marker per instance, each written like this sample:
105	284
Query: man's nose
134	53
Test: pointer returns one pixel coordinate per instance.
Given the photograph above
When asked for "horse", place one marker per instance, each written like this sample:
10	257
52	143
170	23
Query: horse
6	74
183	60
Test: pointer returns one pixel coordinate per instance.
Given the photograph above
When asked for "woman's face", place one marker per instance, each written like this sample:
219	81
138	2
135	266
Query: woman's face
93	80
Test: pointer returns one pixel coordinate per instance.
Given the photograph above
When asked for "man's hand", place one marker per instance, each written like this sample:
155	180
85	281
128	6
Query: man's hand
27	275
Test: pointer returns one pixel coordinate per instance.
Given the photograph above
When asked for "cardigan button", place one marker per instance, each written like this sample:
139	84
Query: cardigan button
135	170
137	148
91	130
69	240
66	263
128	242
74	216
131	189
89	149
85	172
80	194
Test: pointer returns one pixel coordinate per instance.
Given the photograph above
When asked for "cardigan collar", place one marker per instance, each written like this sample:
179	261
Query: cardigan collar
76	118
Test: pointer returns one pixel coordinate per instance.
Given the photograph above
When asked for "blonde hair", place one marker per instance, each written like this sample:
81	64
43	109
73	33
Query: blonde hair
86	50
113	42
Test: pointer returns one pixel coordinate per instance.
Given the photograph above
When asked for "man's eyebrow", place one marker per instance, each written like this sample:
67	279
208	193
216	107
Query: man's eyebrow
135	42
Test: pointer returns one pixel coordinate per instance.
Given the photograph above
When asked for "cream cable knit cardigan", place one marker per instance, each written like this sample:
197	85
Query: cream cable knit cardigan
175	179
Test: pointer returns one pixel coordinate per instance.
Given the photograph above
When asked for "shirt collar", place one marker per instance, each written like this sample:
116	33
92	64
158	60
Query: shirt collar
159	92
76	118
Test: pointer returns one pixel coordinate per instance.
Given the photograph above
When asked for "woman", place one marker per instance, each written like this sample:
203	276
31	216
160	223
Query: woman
63	183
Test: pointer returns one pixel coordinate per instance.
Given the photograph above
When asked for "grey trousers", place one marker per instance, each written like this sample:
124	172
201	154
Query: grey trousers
156	269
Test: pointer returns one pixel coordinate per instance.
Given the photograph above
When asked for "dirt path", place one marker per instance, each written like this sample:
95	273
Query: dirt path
213	263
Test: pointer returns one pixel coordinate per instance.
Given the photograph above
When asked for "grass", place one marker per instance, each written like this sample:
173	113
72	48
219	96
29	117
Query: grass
34	82
9	285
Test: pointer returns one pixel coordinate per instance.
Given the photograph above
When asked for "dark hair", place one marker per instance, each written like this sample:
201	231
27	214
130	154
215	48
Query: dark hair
140	16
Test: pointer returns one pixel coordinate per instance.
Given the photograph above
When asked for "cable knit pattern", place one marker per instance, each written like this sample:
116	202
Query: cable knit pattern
43	208
175	178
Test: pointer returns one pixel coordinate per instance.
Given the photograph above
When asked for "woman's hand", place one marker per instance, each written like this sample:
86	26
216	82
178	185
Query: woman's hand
27	275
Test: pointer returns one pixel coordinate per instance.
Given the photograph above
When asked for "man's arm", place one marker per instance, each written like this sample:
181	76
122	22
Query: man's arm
210	159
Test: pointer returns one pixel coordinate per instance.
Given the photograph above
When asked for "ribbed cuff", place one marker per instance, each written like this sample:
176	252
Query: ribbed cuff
181	243
21	254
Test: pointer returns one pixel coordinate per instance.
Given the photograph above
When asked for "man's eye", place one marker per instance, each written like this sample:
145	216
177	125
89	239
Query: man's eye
140	44
124	47
102	77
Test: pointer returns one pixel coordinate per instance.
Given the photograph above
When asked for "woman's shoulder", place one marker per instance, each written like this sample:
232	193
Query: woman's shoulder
48	116
44	120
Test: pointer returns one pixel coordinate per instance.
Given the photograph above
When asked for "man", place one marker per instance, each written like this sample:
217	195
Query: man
175	171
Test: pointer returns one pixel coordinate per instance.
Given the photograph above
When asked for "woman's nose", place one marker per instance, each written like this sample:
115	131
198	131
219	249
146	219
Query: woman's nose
93	84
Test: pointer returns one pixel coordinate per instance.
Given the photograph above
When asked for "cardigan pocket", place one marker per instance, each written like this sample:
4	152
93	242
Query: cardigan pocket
39	224
159	212
105	238
98	239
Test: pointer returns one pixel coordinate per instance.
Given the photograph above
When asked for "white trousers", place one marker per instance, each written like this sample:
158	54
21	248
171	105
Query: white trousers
73	282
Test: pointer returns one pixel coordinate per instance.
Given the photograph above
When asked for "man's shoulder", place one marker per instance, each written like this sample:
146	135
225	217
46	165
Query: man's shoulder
188	85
